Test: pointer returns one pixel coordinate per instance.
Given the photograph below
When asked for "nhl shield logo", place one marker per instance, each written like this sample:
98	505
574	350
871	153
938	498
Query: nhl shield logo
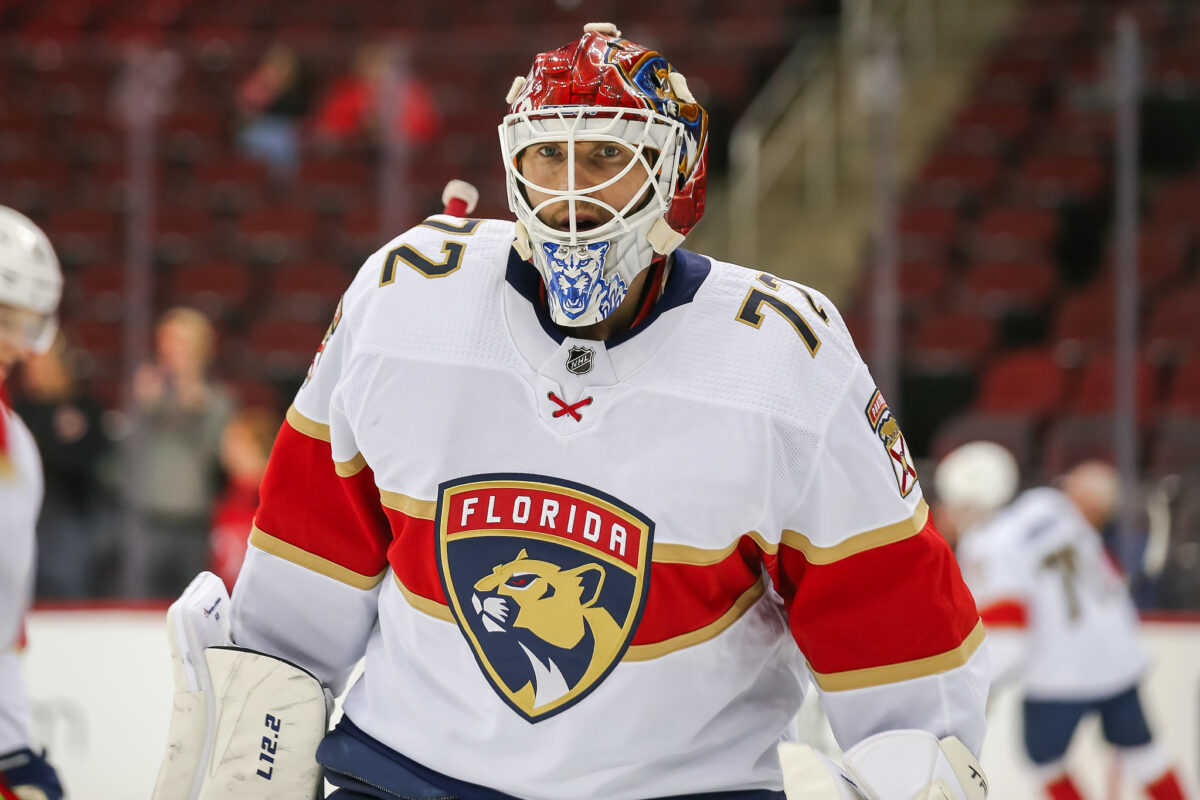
547	580
580	359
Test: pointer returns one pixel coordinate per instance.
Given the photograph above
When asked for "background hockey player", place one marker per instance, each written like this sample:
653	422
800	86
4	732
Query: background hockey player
593	507
30	288
1059	617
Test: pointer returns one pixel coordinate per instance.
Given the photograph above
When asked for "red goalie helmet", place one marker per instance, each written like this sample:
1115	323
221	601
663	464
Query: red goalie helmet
606	89
601	69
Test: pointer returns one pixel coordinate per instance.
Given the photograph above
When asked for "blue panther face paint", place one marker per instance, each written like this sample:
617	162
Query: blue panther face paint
576	284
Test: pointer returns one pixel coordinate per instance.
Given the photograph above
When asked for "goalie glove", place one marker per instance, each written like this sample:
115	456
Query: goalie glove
25	775
893	765
245	724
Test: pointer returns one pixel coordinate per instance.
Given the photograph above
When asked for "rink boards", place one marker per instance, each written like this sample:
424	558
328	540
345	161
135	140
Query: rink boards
100	681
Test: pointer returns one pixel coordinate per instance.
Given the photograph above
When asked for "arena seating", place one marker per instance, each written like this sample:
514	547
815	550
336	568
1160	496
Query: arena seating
228	237
1014	206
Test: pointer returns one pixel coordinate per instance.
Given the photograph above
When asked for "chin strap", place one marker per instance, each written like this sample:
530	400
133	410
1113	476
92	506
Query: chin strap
663	238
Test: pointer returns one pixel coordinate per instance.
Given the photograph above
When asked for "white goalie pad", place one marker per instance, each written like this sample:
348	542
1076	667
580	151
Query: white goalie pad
245	724
894	765
199	619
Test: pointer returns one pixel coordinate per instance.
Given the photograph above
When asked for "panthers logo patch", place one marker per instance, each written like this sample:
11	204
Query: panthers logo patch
880	417
547	580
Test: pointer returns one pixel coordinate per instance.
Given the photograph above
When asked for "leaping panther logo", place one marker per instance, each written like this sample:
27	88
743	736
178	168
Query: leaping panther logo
577	279
551	615
547	580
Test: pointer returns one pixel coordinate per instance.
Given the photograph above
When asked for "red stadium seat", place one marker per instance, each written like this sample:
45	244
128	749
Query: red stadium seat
83	234
949	178
307	290
926	232
232	183
1183	391
275	233
1049	180
283	347
1173	324
1050	21
103	341
1028	382
1162	257
32	183
997	288
101	288
1084	321
217	288
990	128
1095	388
1175	202
951	341
1014	233
181	233
334	183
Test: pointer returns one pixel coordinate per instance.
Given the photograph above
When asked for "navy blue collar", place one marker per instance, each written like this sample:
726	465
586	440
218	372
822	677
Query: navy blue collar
687	274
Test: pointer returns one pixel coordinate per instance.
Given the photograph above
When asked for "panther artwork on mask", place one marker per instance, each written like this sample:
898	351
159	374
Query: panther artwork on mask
576	284
551	614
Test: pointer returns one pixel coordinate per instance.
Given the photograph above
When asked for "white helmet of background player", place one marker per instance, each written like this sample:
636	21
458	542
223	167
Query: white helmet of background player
975	480
30	283
602	88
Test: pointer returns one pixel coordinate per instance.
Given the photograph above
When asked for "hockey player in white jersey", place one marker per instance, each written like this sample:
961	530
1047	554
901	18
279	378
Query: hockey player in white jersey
595	508
30	288
1059	618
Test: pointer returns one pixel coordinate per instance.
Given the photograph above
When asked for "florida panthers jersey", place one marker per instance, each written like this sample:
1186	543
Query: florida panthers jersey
20	503
601	569
1040	574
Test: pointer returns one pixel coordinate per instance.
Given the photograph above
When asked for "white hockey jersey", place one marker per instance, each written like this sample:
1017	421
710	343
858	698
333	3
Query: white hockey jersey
20	503
582	568
1041	578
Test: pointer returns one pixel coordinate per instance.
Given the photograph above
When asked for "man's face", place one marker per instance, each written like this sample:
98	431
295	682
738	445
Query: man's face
19	330
545	165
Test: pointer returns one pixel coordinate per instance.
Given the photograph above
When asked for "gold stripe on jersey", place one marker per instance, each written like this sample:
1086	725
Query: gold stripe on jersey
302	558
905	671
859	543
646	652
318	430
665	553
423	604
702	557
348	469
411	506
308	427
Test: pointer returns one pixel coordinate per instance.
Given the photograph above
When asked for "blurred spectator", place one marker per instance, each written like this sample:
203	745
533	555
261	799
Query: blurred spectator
180	417
274	100
65	422
245	446
349	111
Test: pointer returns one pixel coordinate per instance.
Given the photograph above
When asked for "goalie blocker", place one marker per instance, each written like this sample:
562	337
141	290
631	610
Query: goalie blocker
244	724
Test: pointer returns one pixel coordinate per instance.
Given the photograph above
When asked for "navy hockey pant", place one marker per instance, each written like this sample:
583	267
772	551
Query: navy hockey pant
365	769
1050	724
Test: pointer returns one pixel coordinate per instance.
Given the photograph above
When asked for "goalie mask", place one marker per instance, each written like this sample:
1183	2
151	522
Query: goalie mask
598	92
